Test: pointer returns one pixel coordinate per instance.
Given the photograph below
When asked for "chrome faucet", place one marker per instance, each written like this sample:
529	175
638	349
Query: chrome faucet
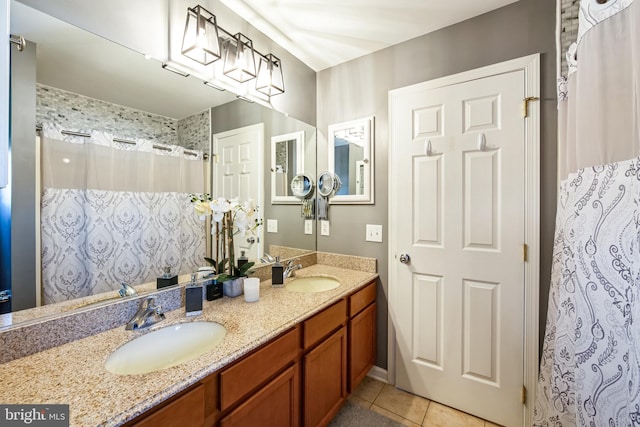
148	314
291	268
126	290
267	259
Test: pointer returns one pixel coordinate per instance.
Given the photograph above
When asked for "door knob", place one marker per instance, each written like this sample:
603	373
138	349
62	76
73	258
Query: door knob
405	258
251	240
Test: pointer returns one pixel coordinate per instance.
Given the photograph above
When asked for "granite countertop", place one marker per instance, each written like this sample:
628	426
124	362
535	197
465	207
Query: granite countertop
74	373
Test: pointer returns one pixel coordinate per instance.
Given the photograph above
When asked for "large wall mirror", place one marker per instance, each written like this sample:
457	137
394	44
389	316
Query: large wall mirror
84	83
350	151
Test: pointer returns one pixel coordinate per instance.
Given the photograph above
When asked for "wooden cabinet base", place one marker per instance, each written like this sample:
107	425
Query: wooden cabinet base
186	410
362	345
276	404
325	373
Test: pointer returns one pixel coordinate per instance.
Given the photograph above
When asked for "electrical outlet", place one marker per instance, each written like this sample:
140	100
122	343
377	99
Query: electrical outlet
272	226
308	226
374	233
324	228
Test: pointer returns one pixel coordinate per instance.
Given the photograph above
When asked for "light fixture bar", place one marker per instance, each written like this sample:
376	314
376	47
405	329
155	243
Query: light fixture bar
221	89
174	69
244	98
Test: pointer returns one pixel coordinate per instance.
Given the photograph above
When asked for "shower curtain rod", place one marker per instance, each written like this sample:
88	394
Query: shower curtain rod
205	156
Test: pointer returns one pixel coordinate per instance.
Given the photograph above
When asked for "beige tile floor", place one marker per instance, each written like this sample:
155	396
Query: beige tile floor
409	409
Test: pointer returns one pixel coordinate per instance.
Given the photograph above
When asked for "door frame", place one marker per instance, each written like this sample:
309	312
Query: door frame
531	66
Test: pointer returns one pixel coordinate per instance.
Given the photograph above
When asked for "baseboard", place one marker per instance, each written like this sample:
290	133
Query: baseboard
377	373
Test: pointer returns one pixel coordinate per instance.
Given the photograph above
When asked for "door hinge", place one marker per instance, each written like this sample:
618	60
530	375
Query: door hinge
523	395
525	252
525	105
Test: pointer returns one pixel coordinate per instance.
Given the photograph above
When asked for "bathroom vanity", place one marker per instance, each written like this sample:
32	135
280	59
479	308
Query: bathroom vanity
289	359
307	371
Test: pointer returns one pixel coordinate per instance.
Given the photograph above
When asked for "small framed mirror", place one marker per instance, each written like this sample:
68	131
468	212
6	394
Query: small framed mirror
287	161
350	149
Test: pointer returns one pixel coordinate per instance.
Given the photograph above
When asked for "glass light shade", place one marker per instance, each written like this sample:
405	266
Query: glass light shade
269	80
239	59
200	40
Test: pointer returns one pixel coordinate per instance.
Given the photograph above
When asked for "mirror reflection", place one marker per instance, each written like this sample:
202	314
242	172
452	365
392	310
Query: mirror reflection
118	133
351	159
287	160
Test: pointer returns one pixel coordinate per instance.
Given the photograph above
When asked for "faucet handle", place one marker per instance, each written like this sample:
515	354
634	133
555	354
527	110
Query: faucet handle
291	261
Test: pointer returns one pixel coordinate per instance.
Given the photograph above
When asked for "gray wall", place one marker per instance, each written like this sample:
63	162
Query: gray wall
359	88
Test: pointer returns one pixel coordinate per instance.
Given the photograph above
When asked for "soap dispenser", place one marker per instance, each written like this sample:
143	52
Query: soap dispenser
166	279
277	273
242	259
193	297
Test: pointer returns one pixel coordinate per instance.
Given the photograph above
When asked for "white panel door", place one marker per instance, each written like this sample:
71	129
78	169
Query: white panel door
457	196
238	174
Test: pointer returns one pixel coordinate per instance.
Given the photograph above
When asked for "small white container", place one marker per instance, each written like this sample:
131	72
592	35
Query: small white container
251	289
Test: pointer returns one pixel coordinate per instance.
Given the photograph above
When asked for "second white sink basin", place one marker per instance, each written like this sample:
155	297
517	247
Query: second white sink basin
312	284
165	347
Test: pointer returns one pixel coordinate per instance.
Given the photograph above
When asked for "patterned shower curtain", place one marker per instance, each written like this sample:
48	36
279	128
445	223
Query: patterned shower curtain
115	212
590	364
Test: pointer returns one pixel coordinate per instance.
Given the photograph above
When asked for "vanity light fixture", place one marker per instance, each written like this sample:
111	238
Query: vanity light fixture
269	80
204	41
239	59
200	40
174	69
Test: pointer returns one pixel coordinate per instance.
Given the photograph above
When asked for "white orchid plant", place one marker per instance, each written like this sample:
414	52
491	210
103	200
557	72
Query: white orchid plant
229	217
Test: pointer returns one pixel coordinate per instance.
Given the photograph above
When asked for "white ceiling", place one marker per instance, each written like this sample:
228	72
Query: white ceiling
324	33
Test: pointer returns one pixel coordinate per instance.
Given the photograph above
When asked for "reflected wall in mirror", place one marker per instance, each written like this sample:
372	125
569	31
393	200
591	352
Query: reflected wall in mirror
350	151
287	161
88	84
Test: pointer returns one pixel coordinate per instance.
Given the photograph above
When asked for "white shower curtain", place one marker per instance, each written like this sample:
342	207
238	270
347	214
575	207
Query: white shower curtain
590	364
115	212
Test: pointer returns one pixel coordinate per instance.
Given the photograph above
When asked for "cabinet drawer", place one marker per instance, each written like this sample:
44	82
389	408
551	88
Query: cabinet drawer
323	323
253	370
187	410
362	298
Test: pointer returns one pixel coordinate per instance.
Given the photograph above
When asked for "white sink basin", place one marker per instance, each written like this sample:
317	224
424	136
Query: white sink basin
165	347
311	285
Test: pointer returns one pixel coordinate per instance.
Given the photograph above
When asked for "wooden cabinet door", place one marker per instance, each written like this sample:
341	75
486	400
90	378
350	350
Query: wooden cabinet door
325	380
362	345
187	410
277	404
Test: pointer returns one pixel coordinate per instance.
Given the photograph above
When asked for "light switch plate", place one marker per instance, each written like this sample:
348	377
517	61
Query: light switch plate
374	233
272	226
324	228
308	226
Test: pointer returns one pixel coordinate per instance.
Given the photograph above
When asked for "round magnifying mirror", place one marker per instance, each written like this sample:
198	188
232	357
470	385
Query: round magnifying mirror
326	184
302	186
